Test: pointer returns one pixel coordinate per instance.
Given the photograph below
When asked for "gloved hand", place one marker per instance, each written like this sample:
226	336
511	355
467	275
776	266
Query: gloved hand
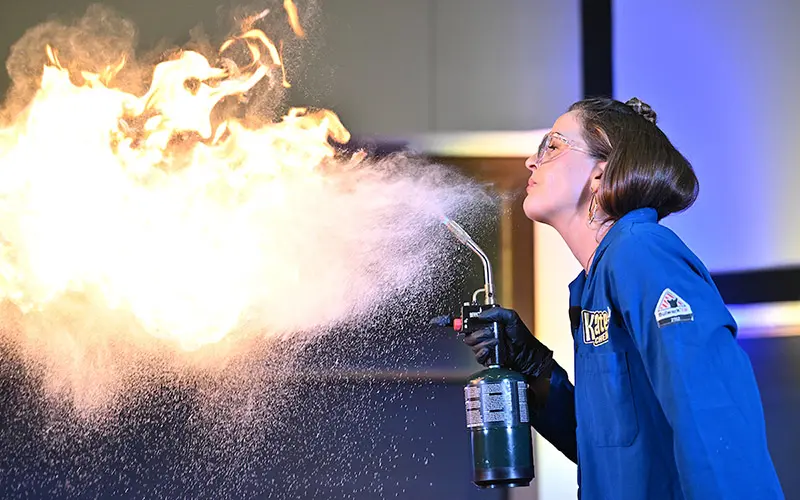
524	353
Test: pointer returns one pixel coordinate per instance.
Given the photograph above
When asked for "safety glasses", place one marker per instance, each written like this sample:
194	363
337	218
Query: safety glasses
554	145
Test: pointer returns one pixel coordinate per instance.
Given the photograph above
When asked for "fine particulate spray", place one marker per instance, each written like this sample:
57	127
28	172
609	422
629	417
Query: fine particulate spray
495	398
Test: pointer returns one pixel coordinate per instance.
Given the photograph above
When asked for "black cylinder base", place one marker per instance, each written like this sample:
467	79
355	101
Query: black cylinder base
503	477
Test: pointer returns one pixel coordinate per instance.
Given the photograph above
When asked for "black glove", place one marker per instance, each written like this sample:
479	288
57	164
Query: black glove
523	352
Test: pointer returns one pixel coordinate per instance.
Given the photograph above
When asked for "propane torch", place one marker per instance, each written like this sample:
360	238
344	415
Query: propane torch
495	398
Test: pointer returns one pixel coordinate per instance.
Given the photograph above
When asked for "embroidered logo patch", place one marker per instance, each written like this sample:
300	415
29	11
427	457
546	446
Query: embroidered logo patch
672	309
595	326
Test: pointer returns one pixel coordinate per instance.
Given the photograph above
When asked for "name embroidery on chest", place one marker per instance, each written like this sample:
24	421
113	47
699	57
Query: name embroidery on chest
595	326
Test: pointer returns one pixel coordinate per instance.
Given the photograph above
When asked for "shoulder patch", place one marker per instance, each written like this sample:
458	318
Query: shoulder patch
672	309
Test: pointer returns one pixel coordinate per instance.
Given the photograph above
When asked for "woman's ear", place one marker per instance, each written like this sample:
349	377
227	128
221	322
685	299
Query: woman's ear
597	176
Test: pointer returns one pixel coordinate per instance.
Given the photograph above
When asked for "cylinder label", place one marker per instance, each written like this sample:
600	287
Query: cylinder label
522	391
472	400
497	404
504	403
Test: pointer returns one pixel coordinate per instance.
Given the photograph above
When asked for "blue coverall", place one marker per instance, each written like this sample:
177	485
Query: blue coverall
665	403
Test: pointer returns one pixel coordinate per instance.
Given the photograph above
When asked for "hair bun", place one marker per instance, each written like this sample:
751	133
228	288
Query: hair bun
642	109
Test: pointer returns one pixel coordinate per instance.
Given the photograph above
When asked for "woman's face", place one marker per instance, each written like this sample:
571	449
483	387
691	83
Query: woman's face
561	174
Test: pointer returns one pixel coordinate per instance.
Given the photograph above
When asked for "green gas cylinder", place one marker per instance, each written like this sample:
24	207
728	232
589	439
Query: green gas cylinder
499	431
496	401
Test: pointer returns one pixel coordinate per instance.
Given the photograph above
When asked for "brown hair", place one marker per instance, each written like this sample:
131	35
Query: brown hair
644	169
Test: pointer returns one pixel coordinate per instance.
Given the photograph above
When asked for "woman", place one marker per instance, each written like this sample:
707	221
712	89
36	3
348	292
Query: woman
665	404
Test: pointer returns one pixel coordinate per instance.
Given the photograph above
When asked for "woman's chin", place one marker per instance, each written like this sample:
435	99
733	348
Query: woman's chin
533	209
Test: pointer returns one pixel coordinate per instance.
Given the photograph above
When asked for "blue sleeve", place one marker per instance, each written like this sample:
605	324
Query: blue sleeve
556	420
702	378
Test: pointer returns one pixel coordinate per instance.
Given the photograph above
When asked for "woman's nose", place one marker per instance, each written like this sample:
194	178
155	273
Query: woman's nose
530	163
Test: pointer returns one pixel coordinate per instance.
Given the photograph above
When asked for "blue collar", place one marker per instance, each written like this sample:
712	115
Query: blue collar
626	221
646	214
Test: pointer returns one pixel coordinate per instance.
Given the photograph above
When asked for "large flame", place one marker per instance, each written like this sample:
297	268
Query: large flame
150	204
